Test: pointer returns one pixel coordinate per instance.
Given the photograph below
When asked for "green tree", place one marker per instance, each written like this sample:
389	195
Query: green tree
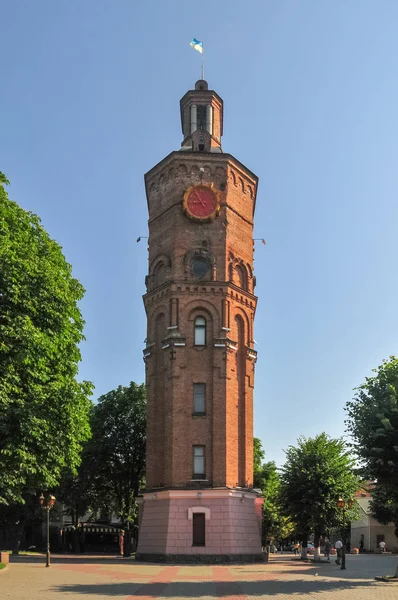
317	473
113	460
44	410
258	457
384	505
275	525
373	425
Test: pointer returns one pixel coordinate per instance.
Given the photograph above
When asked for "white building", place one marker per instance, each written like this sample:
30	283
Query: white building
367	533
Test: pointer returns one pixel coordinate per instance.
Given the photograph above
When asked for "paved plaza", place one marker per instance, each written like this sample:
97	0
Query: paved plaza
94	578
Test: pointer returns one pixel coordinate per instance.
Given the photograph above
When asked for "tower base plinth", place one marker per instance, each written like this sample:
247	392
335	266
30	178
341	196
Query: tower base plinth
228	531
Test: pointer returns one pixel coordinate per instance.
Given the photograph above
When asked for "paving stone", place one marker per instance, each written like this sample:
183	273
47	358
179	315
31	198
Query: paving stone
78	578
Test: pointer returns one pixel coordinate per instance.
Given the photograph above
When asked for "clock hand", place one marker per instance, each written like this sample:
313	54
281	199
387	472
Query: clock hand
199	198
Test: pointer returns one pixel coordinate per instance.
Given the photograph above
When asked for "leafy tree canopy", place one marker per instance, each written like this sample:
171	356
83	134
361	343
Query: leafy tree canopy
317	473
373	424
275	525
258	457
43	409
113	460
384	505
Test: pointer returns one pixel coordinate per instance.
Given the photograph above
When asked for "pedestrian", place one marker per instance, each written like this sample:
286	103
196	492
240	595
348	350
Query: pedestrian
61	540
121	542
296	548
382	546
327	549
339	549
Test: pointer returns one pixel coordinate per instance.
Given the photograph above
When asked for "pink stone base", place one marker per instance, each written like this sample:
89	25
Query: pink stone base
233	524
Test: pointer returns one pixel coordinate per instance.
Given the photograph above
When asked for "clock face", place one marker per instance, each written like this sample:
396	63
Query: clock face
201	202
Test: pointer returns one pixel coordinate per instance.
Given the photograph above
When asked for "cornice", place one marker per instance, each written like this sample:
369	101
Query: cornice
205	288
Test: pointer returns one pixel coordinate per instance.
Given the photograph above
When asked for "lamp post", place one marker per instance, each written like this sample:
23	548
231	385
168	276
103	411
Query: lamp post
341	504
47	503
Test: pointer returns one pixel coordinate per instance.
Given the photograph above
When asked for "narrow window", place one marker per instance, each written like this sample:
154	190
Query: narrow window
199	398
198	529
241	276
200	331
201	117
198	462
160	274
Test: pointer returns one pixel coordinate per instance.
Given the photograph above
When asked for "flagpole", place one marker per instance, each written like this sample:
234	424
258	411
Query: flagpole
203	61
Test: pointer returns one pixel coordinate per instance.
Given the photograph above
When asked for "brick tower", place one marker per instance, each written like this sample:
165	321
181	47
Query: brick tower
199	504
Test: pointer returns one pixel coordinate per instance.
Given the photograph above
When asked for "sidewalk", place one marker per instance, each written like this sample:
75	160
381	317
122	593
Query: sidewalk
92	578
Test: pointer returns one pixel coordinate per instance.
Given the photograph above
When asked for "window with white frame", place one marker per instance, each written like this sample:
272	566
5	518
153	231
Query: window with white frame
200	331
199	462
199	391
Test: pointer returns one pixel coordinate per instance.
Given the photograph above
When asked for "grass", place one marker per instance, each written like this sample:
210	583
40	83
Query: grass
2	566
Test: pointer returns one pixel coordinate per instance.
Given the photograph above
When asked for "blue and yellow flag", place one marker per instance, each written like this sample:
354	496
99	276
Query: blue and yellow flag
197	45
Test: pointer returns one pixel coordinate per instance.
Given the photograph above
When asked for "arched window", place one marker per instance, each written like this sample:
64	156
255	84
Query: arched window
231	272
160	274
200	331
241	276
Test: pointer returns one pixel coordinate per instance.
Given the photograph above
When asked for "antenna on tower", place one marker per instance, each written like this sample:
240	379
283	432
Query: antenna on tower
257	240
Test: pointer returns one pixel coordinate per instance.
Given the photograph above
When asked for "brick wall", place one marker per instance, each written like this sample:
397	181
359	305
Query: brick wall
227	428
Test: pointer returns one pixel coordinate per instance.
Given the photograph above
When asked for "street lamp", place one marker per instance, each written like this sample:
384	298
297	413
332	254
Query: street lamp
342	504
48	504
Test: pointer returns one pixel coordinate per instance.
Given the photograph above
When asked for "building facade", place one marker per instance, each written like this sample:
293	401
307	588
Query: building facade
366	532
199	354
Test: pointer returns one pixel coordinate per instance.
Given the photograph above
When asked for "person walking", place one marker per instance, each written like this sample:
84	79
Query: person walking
339	549
121	542
327	549
382	546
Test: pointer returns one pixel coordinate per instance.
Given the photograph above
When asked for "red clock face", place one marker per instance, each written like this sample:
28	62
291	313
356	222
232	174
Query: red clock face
200	201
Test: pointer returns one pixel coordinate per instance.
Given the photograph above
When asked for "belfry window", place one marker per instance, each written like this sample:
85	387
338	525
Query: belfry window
201	117
200	331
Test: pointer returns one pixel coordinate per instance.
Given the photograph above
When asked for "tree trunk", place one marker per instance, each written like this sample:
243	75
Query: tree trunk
317	549
127	541
304	548
75	541
396	572
75	516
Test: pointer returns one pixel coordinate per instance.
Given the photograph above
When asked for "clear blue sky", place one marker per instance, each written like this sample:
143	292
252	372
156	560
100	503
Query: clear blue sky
89	102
